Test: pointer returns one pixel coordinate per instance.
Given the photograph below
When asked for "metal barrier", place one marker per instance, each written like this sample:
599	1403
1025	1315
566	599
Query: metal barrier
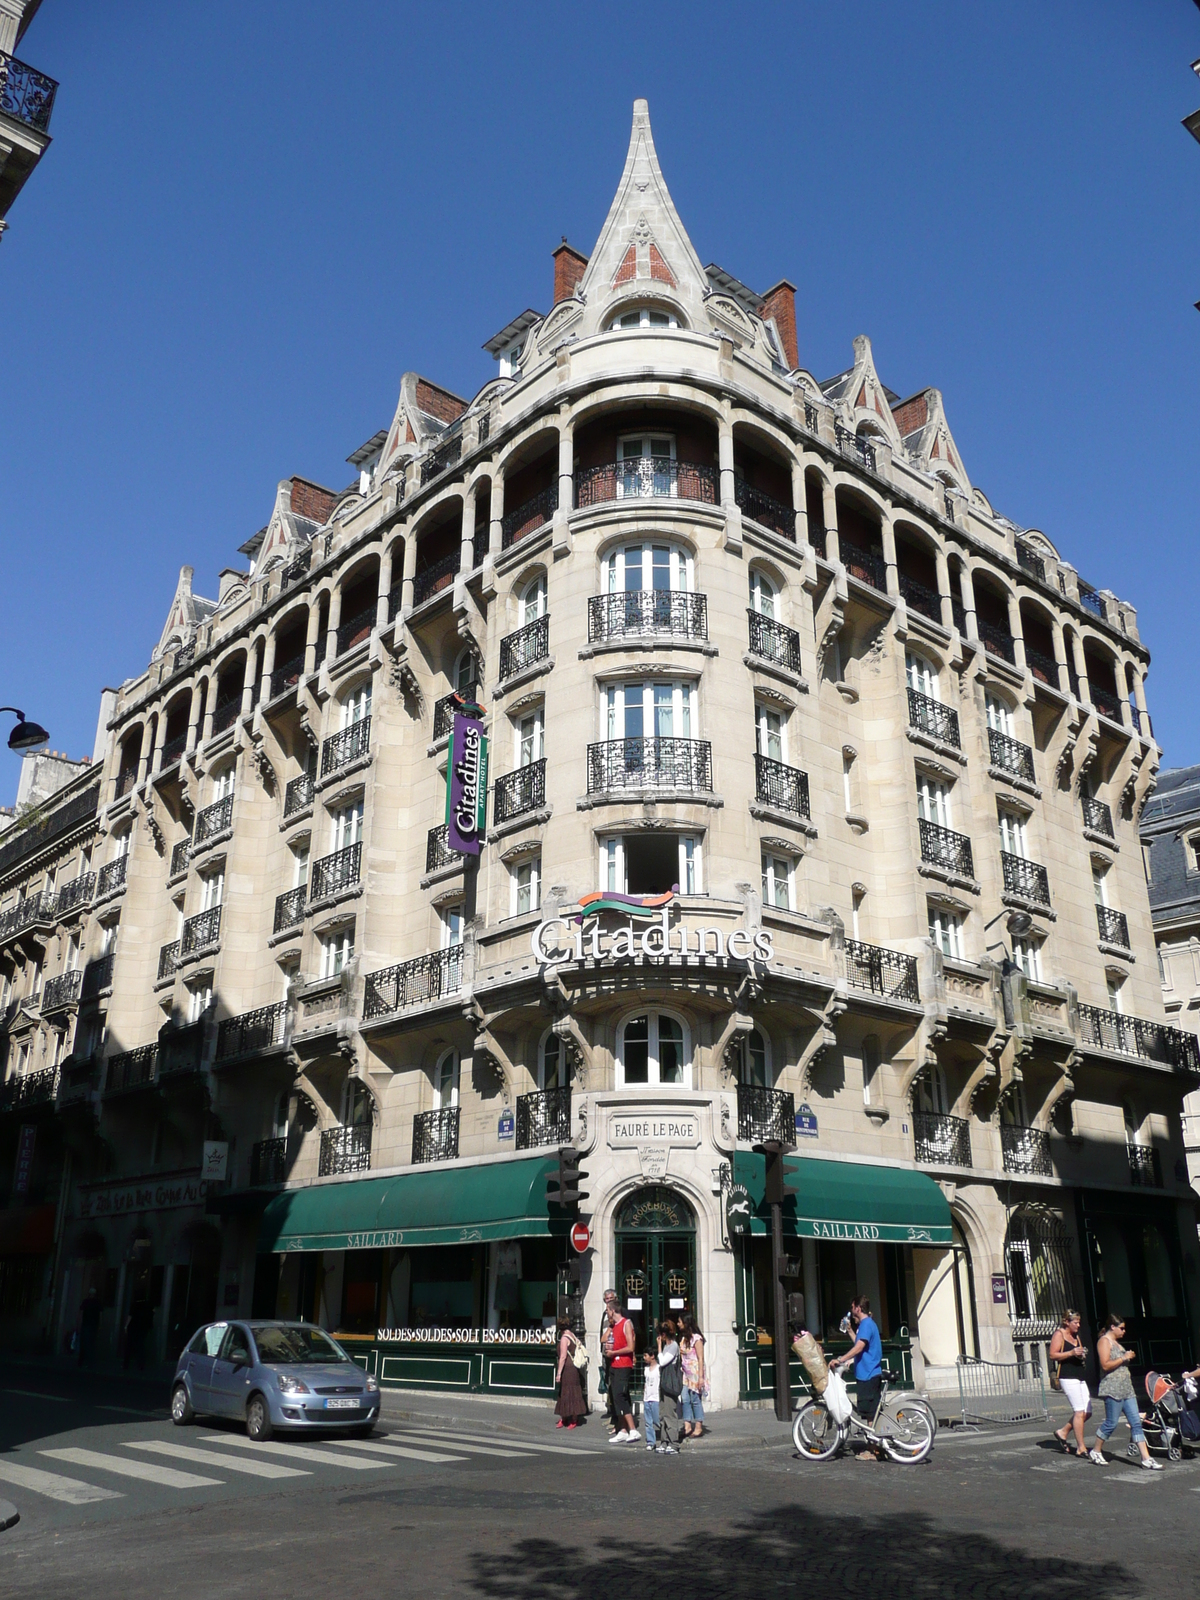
993	1391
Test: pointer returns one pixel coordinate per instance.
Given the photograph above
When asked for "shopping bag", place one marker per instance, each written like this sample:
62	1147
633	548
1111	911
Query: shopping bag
813	1362
837	1399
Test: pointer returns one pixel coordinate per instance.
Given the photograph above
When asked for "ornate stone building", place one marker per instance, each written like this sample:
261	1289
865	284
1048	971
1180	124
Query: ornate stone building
812	815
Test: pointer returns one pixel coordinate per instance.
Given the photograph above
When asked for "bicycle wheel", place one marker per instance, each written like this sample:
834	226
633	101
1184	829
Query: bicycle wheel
904	1432
815	1434
918	1404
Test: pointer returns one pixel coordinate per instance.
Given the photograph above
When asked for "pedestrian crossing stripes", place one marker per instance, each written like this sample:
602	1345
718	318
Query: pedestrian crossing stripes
212	1458
293	1452
147	1471
535	1446
71	1491
398	1449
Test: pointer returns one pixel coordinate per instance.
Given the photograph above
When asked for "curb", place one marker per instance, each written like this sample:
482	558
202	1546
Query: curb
8	1514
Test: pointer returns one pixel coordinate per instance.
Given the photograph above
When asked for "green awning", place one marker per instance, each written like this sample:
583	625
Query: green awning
852	1201
504	1199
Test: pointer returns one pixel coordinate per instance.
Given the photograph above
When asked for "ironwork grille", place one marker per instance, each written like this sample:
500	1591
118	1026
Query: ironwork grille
125	782
942	847
167	956
855	446
1026	1150
1113	925
435	1135
544	1118
1097	816
649	764
1106	704
933	718
112	875
29	1089
1145	1169
1029	561
1090	600
647	477
441	460
1043	667
289	909
781	786
268	1162
765	509
179	857
1153	1041
634	612
355	630
340	749
995	640
884	972
98	975
200	931
437	849
959	613
33	836
173	749
26	94
214	819
252	1031
868	566
765	1114
344	1150
1025	878
920	598
444	709
519	791
533	514
132	1069
76	893
774	642
941	1140
297	568
298	795
1010	755
180	1050
810	416
226	712
337	871
481	543
415	982
522	649
395	600
434	578
62	991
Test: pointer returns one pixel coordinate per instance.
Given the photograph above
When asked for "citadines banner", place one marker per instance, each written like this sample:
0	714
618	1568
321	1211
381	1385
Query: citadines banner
466	786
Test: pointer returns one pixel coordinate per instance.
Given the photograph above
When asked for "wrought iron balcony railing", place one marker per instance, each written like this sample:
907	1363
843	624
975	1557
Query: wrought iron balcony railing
959	612
1043	667
933	718
534	513
995	640
28	1089
344	1150
213	820
179	858
1010	755
252	1032
1026	1150
940	1140
635	613
62	991
201	931
765	509
298	795
771	641
765	1114
125	781
297	568
1113	926
647	477
544	1118
340	749
435	1135
1090	600
781	786
1025	878
286	674
98	975
111	876
519	791
173	749
920	598
444	709
481	543
26	95
412	983
168	955
942	847
268	1162
1145	1168
26	838
525	648
226	713
868	566
438	853
76	893
131	1069
1152	1041
649	764
337	871
1097	816
433	579
356	629
1029	561
181	1050
1108	705
889	973
289	909
34	908
441	460
855	446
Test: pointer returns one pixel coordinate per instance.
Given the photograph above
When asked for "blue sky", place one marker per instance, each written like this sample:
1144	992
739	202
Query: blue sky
255	216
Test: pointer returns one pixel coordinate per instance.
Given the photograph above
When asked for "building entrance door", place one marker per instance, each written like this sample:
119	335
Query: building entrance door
656	1258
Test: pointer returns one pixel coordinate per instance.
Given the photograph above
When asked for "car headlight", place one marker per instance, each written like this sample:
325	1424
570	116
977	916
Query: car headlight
291	1385
372	1385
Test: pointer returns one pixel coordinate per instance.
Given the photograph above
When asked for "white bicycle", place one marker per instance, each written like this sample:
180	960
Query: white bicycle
902	1428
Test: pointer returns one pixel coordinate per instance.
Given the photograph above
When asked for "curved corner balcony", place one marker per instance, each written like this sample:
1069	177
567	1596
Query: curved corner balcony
640	613
677	764
647	478
26	94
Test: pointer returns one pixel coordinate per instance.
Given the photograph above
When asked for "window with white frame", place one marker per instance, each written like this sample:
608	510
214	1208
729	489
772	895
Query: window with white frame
1027	953
641	568
653	1050
933	800
199	999
222	783
651	863
337	950
770	732
1116	991
346	826
763	595
121	844
754	1060
929	1092
445	1081
510	359
921	675
777	885
526	881
533	600
552	1063
1100	883
999	715
643	317
212	889
531	737
645	465
650	710
300	866
356	707
450	919
946	931
1014	838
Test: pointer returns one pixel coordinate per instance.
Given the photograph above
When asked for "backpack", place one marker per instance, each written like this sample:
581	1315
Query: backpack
579	1353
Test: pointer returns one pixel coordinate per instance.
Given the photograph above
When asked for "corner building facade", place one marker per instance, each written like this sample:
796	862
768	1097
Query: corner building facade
866	761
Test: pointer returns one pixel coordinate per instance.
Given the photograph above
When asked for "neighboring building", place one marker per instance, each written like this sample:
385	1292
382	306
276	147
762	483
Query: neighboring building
753	649
1171	852
26	101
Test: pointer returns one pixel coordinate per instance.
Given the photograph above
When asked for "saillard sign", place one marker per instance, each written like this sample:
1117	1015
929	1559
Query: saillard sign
557	940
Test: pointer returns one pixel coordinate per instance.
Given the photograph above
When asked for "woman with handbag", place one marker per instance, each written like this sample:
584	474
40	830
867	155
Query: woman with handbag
570	1407
1069	1354
670	1381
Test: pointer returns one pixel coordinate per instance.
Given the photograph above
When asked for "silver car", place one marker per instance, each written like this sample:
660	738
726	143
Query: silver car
275	1376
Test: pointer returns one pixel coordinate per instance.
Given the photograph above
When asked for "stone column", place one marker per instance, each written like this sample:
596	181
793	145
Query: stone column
335	618
248	682
1139	694
466	547
145	752
310	638
193	716
496	529
1085	691
967	588
725	460
1016	629
410	571
829	506
799	503
945	594
210	705
160	738
268	665
888	540
385	588
1060	655
566	464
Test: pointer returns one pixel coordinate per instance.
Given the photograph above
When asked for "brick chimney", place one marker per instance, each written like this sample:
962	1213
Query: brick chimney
569	267
780	303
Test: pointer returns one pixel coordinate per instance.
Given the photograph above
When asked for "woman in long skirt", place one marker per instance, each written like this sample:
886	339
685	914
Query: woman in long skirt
570	1406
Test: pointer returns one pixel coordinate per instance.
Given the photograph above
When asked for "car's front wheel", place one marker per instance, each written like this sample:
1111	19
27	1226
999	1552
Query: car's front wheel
258	1418
181	1407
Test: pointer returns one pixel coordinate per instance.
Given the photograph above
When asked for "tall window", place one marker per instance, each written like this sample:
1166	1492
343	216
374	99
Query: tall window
929	1092
531	738
465	676
356	707
451	920
652	1050
346	826
999	716
645	464
650	710
777	873
445	1081
533	600
1013	836
763	598
921	676
770	728
527	886
552	1065
337	950
1027	953
300	866
199	999
222	784
212	889
1116	990
946	931
1100	884
933	801
651	863
754	1066
636	568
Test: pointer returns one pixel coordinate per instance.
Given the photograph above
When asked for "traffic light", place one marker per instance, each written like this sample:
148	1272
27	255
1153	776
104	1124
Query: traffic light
562	1187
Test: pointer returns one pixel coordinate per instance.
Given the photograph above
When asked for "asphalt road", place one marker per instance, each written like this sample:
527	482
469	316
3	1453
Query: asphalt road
487	1502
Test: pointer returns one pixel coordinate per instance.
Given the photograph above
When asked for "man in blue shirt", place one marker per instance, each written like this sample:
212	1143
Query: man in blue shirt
867	1356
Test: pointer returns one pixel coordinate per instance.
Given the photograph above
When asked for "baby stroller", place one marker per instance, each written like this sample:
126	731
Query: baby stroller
1173	1414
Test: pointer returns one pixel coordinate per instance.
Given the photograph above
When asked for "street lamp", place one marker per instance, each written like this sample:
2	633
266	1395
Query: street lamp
1018	924
26	735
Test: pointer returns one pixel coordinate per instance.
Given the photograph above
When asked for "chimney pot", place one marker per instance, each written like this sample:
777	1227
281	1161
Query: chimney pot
569	267
779	304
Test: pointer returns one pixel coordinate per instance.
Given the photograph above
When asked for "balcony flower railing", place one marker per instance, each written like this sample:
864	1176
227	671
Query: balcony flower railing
1043	667
942	847
444	709
519	791
855	446
1090	600
1113	926
1029	561
289	909
213	820
1026	1150
544	1118
287	674
226	713
62	991
765	509
868	566
525	648
341	749
785	788
438	853
433	579
179	858
338	871
32	909
173	749
889	973
920	598
168	955
534	513
772	641
636	613
356	630
1145	1168
435	1136
441	460
268	1162
1097	816
297	568
1010	755
940	1140
98	975
344	1150
131	1069
765	1114
1025	878
125	782
684	764
76	893
1108	705
412	983
26	95
298	795
252	1032
647	477
200	932
996	641
28	1089
932	717
1130	1036
111	876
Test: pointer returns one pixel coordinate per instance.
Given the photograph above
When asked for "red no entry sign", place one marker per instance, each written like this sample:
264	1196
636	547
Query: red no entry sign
581	1236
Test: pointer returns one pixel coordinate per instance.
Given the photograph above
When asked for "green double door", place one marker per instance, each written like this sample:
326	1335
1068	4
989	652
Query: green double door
656	1259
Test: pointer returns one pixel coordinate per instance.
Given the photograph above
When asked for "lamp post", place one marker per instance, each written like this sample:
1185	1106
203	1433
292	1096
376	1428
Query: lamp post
26	735
1018	925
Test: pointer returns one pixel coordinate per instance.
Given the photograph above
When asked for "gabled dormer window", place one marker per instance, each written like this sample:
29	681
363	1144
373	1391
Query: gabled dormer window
643	317
510	360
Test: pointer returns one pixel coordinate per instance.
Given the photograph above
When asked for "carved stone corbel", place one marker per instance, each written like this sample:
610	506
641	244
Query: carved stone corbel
727	1049
263	763
152	822
934	1029
406	683
567	1030
1062	1091
824	1038
486	1047
1011	1057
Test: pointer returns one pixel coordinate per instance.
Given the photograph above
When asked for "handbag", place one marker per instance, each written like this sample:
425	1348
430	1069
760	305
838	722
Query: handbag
579	1355
670	1380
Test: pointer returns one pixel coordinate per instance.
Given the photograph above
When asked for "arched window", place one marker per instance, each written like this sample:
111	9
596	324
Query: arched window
465	677
533	600
763	595
358	1107
552	1063
999	715
653	1049
755	1064
356	707
929	1092
445	1081
643	317
640	568
921	675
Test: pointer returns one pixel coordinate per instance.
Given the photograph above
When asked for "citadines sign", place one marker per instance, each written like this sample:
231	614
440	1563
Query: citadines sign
466	784
585	937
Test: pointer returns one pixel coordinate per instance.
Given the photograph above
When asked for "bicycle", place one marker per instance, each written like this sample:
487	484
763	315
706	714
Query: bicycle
903	1429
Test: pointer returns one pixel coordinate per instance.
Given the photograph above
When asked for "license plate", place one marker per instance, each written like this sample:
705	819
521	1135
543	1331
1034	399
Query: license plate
341	1405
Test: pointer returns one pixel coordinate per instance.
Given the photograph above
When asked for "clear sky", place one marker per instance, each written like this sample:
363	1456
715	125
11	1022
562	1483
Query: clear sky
255	216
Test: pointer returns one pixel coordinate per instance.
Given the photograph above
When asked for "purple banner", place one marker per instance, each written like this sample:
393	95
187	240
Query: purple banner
24	1169
466	786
